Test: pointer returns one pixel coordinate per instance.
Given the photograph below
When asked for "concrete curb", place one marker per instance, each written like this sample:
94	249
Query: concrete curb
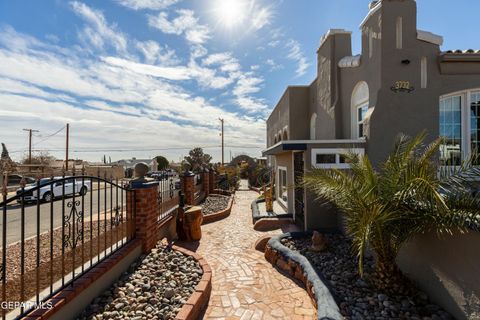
198	301
209	218
300	268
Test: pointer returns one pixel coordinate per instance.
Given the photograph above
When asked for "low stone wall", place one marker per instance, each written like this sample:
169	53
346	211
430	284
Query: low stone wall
300	268
198	302
209	218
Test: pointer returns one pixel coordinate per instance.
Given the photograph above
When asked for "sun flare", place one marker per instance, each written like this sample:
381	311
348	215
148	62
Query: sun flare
231	13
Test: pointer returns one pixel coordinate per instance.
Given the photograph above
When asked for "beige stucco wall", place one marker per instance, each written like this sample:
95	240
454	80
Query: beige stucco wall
286	160
448	269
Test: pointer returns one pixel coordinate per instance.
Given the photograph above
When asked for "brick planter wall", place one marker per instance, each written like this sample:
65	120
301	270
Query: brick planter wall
198	301
146	216
91	284
209	218
188	188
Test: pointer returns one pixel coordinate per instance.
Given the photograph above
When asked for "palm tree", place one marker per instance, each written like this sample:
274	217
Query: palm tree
406	196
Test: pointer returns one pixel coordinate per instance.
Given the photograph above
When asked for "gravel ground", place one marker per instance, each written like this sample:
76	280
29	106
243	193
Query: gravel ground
49	270
213	204
355	297
155	287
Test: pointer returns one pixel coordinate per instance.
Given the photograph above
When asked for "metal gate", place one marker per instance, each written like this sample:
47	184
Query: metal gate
56	230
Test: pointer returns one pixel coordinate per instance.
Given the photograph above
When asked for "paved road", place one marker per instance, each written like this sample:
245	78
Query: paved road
14	213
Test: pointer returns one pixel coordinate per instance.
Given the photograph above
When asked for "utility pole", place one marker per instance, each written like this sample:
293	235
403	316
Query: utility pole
66	147
223	140
30	133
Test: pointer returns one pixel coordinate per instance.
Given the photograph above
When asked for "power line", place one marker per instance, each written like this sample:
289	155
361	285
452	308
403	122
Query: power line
49	136
88	150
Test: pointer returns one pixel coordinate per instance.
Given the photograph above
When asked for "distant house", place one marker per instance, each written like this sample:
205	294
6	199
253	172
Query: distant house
129	164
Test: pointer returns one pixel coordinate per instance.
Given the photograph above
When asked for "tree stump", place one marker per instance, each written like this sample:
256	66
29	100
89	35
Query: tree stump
192	224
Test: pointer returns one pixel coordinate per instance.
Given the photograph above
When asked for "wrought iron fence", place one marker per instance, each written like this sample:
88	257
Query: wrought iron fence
168	199
56	230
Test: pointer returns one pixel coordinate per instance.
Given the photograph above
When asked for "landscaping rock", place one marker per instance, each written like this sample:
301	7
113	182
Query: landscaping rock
156	286
214	204
356	298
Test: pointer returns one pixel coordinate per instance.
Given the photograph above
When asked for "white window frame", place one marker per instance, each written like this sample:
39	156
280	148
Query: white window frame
466	97
362	122
337	152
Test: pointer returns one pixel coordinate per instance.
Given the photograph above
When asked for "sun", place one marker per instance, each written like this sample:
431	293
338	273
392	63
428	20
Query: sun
230	13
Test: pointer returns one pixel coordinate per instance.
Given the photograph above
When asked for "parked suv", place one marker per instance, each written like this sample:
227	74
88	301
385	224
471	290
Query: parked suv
46	189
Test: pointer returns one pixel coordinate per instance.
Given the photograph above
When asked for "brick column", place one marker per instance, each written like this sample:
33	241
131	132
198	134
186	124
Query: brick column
146	214
206	181
188	187
211	181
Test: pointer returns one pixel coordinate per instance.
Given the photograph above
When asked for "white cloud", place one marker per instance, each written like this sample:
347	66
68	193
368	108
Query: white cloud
261	17
154	53
147	4
185	23
173	73
99	33
124	102
295	53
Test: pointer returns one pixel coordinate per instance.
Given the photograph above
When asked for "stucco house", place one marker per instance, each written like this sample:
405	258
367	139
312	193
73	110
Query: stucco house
400	83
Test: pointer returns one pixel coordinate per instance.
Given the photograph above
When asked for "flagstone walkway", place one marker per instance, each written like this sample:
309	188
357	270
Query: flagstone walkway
245	285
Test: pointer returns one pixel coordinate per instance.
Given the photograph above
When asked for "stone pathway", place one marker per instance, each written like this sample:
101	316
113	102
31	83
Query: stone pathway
245	285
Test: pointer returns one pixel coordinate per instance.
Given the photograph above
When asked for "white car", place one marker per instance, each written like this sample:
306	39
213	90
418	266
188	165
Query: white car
47	192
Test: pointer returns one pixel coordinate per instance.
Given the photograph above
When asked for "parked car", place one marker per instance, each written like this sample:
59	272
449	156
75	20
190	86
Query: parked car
47	192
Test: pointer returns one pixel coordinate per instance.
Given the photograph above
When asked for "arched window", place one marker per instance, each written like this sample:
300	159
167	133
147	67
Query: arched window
285	134
313	127
360	104
279	136
275	140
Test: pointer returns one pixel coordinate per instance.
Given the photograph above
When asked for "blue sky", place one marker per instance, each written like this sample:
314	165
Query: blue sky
134	76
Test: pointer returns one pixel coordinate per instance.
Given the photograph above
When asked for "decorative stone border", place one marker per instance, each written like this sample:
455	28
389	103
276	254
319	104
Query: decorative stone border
209	218
300	268
198	301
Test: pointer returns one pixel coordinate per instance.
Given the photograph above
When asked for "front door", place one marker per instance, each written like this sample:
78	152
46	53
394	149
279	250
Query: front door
298	167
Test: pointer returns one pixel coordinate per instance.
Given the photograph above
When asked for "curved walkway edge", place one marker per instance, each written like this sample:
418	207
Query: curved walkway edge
244	284
298	266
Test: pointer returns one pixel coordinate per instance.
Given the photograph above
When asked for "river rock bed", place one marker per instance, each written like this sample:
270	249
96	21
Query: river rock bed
155	287
355	297
213	204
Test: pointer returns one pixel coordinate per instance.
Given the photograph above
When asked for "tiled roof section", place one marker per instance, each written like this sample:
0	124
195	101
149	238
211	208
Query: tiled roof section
469	51
469	55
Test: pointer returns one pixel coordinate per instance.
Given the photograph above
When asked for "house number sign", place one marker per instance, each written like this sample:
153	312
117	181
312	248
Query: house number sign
402	86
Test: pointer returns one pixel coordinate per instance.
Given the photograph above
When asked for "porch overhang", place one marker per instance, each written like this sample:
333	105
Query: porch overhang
284	146
302	145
